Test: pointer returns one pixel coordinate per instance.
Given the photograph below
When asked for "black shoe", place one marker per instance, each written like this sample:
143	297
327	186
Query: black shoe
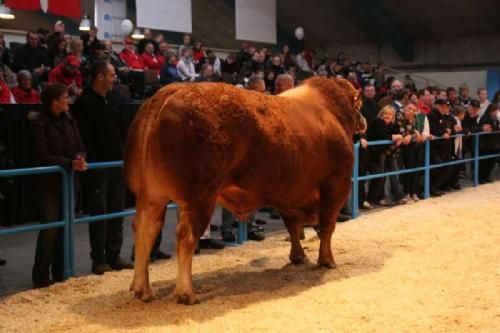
456	187
274	214
119	264
100	269
255	236
343	218
213	244
446	189
261	222
197	250
159	255
3	262
436	193
228	236
214	227
42	284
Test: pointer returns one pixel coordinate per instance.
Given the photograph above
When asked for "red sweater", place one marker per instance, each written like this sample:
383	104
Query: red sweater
4	93
154	62
26	97
59	75
133	60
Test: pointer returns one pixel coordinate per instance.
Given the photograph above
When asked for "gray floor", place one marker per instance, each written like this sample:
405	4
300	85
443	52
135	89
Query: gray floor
19	250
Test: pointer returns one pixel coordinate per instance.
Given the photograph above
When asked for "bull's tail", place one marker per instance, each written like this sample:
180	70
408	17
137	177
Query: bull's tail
137	143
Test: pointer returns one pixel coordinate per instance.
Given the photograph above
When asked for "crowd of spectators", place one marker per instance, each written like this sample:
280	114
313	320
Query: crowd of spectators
80	71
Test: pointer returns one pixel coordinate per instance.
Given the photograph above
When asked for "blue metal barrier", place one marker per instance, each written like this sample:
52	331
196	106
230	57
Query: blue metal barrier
65	222
426	168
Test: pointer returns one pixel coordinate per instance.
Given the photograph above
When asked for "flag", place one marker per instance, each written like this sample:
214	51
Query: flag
23	4
67	8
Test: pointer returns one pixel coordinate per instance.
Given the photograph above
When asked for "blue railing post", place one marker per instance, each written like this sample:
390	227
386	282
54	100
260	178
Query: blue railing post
355	183
476	159
427	172
242	232
67	225
71	249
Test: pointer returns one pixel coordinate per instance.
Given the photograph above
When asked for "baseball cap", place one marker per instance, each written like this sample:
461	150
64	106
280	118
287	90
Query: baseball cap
442	101
72	61
475	103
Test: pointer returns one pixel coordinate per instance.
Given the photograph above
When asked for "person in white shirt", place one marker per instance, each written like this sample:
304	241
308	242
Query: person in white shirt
185	66
482	96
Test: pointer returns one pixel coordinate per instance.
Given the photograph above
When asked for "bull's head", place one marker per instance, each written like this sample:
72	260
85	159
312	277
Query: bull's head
353	94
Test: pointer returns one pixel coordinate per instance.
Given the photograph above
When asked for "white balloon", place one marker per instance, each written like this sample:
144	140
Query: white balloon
299	33
127	26
45	5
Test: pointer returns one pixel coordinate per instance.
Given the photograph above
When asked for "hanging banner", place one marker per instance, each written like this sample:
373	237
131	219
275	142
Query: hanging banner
256	20
171	15
67	8
109	15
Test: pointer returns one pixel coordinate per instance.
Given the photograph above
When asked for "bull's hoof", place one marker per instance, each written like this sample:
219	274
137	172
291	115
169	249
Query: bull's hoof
142	293
187	299
330	264
298	259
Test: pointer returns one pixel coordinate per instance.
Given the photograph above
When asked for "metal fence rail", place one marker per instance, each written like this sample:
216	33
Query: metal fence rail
68	194
426	168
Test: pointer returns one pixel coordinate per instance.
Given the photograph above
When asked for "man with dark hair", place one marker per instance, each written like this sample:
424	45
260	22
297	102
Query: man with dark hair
440	126
451	94
424	101
464	94
97	111
31	57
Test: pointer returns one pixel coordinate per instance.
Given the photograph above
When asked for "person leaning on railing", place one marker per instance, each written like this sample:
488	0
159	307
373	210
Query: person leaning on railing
384	158
489	144
57	141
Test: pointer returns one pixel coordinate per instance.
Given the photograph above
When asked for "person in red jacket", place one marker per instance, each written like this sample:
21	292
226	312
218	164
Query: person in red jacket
152	60
5	93
24	92
132	59
68	73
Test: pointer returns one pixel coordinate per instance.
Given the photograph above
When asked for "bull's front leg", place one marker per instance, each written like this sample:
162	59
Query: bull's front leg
191	225
150	219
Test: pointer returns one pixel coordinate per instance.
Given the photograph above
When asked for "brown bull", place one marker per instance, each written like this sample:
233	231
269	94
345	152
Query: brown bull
198	144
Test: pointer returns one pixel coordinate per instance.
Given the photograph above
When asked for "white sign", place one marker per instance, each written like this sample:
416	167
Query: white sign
171	15
109	15
256	20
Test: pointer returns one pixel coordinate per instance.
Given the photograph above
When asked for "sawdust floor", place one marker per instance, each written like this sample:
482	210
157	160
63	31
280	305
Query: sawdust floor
433	266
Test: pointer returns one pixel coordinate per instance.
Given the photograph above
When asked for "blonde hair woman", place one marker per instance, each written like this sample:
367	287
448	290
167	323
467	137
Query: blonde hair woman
383	158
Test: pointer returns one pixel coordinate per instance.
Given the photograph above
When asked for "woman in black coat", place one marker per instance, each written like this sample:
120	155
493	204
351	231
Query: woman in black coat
490	143
384	158
56	142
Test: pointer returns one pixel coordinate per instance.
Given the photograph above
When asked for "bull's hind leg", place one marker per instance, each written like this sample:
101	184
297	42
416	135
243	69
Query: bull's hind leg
149	221
193	220
333	196
294	227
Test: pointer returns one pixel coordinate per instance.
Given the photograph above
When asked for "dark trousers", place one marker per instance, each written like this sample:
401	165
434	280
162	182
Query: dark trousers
380	164
439	176
49	254
486	166
104	192
364	160
411	160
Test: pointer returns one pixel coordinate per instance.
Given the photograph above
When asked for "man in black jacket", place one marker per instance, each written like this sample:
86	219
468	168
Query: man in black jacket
370	111
31	57
441	125
97	111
